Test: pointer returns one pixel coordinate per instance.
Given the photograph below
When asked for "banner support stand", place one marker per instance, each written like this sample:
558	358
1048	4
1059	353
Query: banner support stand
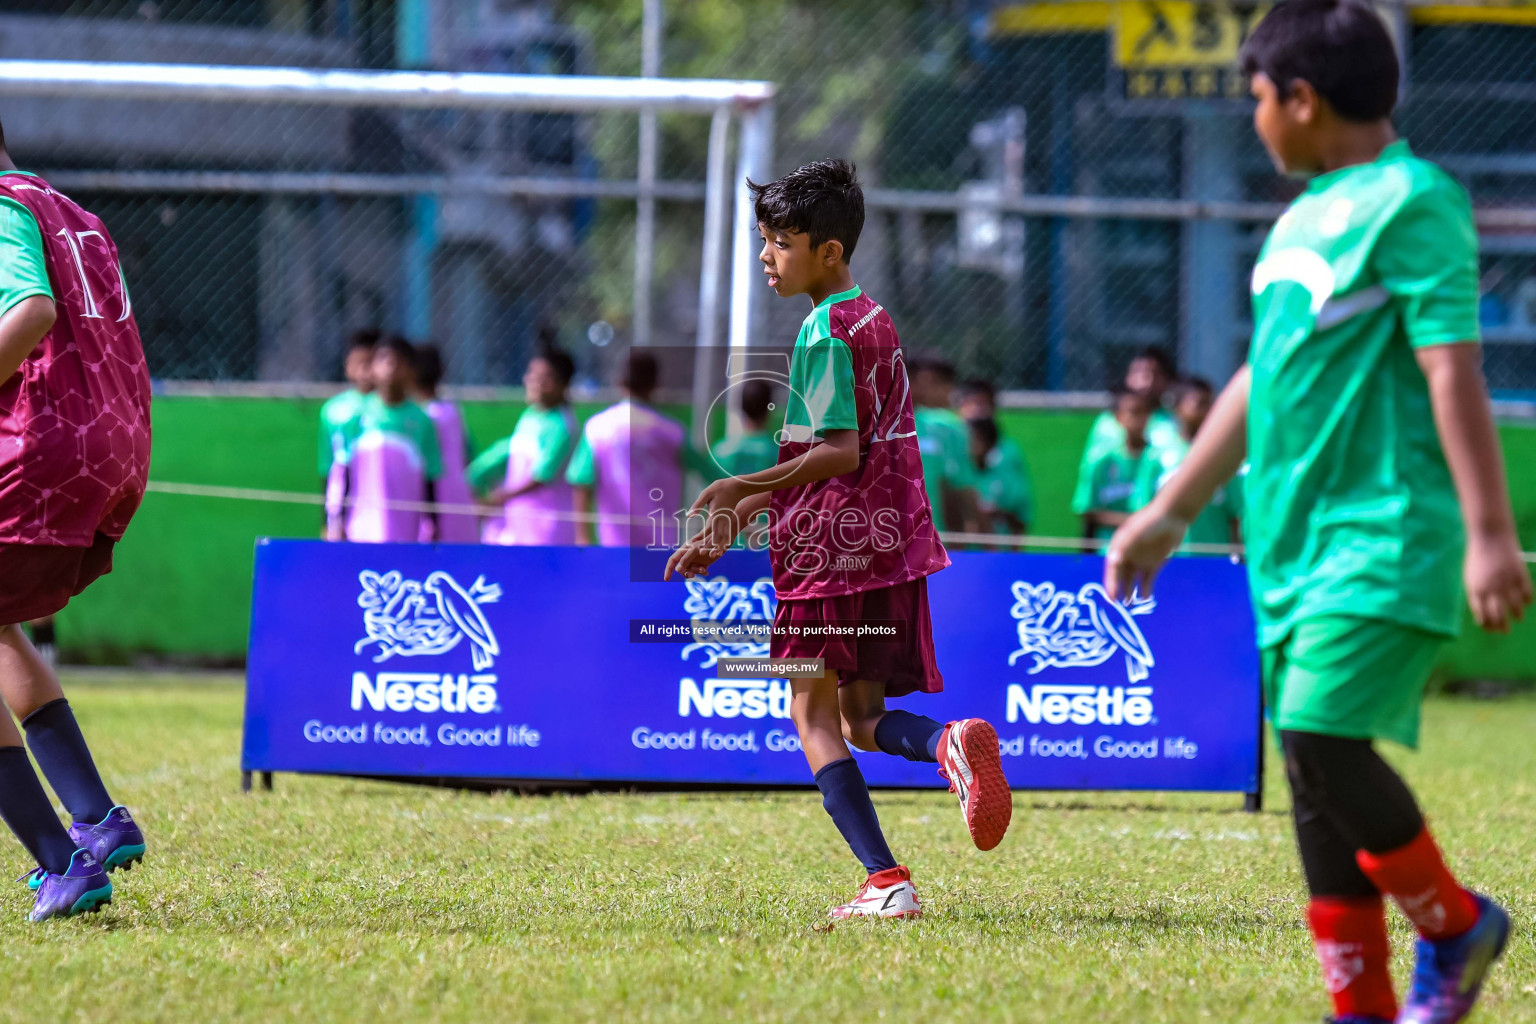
245	781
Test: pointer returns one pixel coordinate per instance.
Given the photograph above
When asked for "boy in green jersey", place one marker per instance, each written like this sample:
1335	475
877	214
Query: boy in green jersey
1216	523
1375	492
1150	372
944	441
756	448
1106	480
1003	496
341	407
522	476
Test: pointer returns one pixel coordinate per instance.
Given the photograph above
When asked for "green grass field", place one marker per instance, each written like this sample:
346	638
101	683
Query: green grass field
331	899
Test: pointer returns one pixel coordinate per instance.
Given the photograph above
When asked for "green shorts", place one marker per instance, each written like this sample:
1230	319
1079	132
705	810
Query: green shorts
1350	677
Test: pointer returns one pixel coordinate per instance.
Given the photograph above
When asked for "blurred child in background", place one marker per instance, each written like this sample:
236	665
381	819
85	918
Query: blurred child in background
628	465
1106	480
1150	372
1004	491
340	408
1003	496
1217	522
524	473
944	442
386	453
454	443
756	447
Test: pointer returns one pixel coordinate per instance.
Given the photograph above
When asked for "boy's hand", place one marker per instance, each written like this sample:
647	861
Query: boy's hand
721	496
1138	550
721	525
1498	582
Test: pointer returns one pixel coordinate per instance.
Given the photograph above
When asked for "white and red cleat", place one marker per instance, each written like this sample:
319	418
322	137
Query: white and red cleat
887	893
969	759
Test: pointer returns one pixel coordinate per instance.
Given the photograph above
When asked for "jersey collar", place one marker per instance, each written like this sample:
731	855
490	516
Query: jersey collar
1396	150
851	293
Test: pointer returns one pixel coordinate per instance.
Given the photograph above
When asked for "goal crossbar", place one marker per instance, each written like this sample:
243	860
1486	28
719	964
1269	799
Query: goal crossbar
339	87
728	217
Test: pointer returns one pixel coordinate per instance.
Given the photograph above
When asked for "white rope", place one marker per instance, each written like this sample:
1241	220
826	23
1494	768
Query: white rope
992	540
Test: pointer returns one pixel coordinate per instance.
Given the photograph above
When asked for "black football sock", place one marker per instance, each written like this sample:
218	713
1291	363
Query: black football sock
910	736
846	798
54	738
28	812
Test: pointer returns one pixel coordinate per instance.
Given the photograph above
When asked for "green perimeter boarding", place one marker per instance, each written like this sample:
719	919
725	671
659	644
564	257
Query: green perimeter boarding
181	588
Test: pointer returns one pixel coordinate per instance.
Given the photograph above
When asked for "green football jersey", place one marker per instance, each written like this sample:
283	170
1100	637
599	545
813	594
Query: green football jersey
542	438
944	441
1106	482
1213	524
1004	484
1350	507
337	411
406	425
732	457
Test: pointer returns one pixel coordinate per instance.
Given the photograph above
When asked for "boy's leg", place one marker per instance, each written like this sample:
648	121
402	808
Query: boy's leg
1372	807
869	726
814	708
1346	914
32	692
26	808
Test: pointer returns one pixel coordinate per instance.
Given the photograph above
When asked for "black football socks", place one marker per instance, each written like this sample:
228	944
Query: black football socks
54	738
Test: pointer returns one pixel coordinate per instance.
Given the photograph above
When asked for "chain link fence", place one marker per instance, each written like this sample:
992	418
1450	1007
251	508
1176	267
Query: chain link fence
1052	186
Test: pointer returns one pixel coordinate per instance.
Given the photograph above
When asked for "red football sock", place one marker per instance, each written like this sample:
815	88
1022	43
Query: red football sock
1351	938
1416	877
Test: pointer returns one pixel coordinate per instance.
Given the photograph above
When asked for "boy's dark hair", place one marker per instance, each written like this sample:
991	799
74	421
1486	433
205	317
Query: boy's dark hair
429	367
1160	356
985	429
559	361
640	372
756	396
979	386
934	362
366	337
821	199
1340	47
399	346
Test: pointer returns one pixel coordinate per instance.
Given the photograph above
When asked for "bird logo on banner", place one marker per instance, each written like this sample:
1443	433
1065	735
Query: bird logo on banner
412	618
1060	629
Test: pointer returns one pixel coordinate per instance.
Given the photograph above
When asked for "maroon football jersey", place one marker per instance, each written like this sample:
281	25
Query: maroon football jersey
872	527
74	419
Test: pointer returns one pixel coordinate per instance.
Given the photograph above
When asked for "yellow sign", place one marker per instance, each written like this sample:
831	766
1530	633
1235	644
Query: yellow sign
1183	34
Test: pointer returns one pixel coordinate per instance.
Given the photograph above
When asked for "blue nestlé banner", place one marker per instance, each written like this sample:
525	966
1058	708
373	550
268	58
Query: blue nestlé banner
532	663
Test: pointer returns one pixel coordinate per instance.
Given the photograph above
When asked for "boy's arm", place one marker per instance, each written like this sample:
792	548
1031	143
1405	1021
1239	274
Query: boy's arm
1140	547
581	501
1498	583
21	328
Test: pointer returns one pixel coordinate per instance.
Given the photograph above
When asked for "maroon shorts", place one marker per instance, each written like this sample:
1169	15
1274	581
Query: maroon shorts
904	665
37	580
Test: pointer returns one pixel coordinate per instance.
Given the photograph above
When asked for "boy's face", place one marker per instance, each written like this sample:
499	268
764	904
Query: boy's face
791	265
931	389
975	405
1132	413
1146	377
389	372
542	383
1287	125
1194	406
359	368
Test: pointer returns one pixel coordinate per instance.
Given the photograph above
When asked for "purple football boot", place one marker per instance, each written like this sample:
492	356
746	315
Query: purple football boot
115	842
81	889
1449	974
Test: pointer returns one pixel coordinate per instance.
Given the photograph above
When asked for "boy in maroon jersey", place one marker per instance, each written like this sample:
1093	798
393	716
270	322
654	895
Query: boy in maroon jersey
74	456
851	537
